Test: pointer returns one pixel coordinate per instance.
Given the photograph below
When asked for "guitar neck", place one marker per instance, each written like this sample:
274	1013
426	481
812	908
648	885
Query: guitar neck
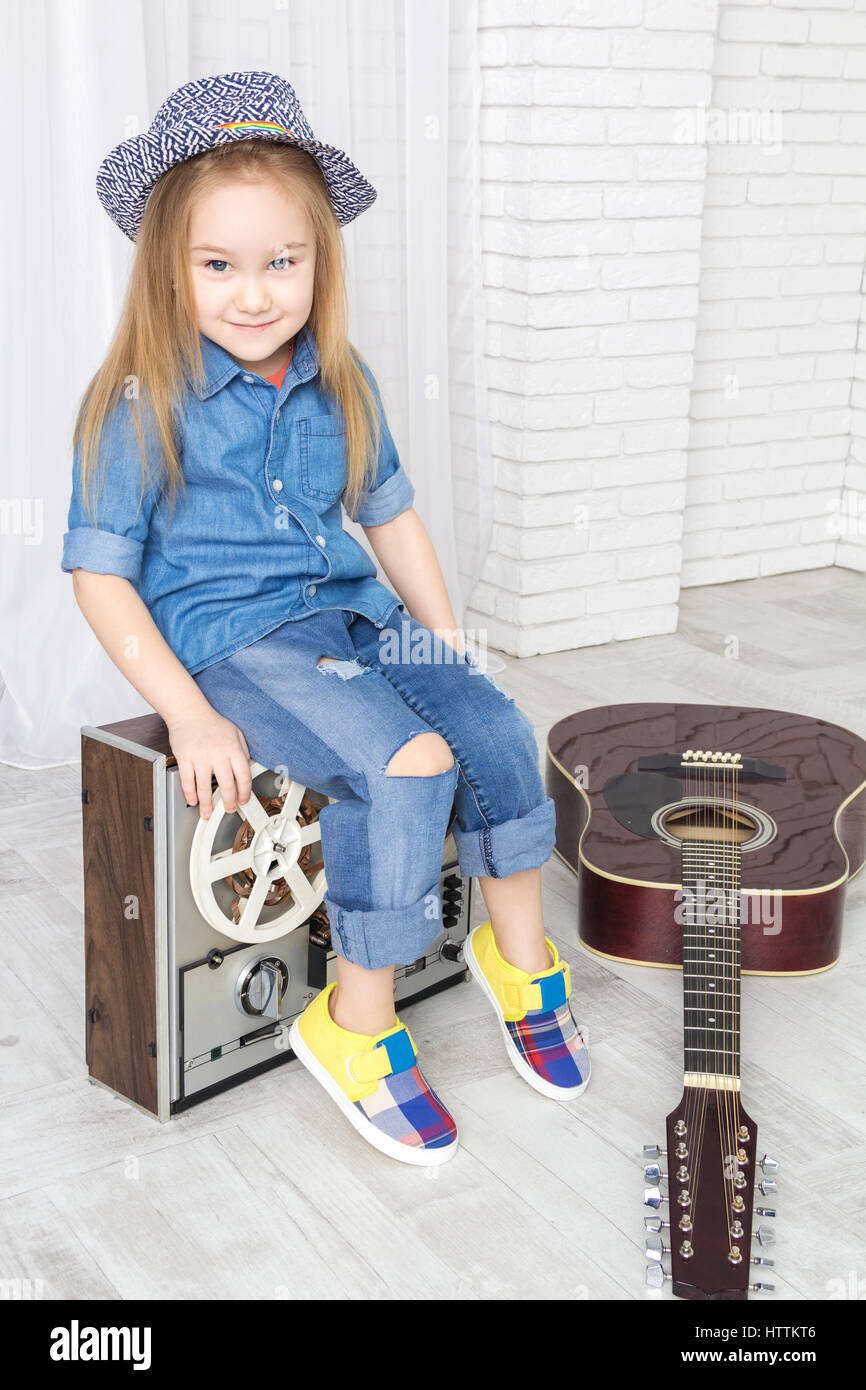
711	963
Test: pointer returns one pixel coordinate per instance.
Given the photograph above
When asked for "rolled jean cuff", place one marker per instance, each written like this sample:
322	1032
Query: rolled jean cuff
495	851
387	935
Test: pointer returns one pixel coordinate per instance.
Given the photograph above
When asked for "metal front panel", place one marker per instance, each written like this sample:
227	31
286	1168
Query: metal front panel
212	1039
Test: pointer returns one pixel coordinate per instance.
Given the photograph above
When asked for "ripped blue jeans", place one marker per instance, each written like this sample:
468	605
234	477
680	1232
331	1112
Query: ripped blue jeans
335	727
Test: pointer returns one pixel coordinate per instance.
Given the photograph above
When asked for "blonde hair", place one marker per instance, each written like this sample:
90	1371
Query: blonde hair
157	338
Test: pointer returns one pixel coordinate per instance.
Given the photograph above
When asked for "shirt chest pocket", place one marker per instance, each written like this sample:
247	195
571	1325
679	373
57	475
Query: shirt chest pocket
323	456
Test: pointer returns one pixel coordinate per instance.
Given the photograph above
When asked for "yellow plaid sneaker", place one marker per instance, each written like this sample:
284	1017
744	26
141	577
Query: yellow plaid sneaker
377	1083
542	1039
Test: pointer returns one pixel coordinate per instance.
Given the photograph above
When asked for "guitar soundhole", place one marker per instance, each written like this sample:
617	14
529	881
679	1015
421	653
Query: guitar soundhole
710	821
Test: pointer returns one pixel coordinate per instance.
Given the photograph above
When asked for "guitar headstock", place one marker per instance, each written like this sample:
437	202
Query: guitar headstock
712	1187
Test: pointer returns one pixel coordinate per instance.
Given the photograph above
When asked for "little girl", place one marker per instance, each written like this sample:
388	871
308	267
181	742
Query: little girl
254	624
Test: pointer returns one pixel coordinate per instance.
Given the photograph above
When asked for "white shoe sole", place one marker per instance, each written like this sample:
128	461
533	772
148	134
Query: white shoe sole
546	1088
383	1142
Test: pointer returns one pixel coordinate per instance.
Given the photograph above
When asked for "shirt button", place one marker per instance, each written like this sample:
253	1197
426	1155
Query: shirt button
276	417
320	540
278	487
248	378
311	590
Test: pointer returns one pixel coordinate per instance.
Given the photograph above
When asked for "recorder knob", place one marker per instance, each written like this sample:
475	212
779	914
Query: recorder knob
261	986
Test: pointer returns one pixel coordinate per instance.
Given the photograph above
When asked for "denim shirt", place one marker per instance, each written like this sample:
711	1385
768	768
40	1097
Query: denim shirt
258	538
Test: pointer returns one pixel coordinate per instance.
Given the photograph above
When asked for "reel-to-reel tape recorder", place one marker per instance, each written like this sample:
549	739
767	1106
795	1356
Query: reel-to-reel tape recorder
204	939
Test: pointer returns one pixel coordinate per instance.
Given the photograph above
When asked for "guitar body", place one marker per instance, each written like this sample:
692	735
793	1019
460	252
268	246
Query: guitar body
808	827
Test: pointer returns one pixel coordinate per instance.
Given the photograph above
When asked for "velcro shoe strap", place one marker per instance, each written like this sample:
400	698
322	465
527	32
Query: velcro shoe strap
545	994
393	1054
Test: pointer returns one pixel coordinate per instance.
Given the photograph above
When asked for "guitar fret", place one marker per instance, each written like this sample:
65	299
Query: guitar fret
722	993
719	1051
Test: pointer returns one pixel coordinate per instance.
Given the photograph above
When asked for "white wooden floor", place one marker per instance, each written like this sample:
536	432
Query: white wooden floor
267	1192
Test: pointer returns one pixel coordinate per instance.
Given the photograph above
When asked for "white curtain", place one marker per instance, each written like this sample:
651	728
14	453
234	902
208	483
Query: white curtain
395	83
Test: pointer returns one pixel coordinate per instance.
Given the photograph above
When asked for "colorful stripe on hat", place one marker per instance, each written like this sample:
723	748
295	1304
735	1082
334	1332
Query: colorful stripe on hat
255	125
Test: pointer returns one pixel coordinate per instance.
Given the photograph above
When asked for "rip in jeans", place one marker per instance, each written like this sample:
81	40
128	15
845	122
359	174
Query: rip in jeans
344	669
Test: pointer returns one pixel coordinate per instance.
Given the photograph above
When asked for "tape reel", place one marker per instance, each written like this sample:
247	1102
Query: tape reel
257	873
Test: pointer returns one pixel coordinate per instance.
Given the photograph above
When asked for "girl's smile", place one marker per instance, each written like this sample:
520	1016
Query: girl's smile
253	327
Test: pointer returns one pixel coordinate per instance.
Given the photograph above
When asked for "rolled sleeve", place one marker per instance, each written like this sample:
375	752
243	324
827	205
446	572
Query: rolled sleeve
115	543
103	552
392	491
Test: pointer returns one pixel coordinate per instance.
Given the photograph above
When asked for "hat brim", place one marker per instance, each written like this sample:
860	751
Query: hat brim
128	174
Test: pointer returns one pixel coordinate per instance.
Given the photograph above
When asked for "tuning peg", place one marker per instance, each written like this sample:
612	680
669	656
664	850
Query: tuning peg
765	1236
655	1276
655	1223
760	1260
652	1197
652	1172
763	1288
766	1211
767	1185
654	1249
652	1151
768	1164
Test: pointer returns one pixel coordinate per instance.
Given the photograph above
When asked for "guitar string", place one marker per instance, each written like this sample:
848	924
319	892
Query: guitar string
721	1096
699	1107
692	1102
702	886
737	965
731	899
701	1098
727	945
724	1064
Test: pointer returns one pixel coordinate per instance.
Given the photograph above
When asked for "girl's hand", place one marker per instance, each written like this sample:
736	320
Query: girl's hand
207	744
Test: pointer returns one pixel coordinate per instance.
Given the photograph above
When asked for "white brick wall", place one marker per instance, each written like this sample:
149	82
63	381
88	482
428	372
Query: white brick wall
784	241
593	231
677	390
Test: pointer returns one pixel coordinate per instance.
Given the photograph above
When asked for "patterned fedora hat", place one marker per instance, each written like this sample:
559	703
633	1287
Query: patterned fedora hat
212	111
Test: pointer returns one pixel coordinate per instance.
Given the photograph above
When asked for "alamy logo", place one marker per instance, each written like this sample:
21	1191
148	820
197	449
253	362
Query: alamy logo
76	1343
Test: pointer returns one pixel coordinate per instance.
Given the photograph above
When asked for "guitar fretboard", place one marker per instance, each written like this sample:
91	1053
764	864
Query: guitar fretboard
711	958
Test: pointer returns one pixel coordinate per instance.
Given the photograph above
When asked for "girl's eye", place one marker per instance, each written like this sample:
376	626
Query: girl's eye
216	264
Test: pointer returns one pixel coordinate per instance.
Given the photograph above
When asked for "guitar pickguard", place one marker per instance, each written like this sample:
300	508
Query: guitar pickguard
634	797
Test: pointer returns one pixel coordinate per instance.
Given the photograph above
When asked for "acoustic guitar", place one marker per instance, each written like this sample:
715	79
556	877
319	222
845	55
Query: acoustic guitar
716	840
